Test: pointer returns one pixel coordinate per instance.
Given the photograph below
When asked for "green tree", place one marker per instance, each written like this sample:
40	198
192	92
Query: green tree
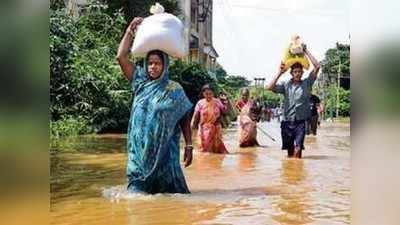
229	84
237	81
344	101
63	48
330	64
266	96
221	74
192	77
233	85
335	58
57	4
85	80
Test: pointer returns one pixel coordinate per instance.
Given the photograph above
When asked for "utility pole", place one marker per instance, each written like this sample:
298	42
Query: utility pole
262	86
338	84
256	85
259	82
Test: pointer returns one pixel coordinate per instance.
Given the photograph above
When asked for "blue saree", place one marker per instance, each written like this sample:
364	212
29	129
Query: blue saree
153	134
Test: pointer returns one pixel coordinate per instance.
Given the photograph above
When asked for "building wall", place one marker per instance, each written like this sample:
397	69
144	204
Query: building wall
185	10
74	6
198	33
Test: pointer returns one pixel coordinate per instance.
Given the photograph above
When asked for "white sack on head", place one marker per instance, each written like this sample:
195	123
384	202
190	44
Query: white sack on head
162	31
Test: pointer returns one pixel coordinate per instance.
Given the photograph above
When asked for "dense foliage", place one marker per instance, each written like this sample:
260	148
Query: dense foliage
336	60
84	78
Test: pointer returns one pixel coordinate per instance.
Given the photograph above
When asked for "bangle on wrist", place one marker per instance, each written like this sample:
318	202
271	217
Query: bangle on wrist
189	146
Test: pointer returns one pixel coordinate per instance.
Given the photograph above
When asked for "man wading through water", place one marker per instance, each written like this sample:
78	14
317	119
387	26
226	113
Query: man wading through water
296	108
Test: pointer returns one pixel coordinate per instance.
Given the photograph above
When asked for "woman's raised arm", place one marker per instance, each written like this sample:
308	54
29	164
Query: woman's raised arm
127	67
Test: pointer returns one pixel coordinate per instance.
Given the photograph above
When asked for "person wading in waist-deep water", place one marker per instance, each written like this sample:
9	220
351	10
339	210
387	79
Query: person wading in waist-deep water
248	118
160	112
296	107
207	118
244	98
226	117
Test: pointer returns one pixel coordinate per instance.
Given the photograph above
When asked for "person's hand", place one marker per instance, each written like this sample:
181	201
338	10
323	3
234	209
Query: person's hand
304	46
134	24
224	100
282	68
188	155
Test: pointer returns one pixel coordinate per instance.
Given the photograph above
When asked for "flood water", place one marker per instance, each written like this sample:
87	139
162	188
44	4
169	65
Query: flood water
249	186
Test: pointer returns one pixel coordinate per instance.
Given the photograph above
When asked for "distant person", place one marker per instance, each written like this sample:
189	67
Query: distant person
250	113
312	122
274	113
226	117
264	112
244	98
296	107
207	119
269	114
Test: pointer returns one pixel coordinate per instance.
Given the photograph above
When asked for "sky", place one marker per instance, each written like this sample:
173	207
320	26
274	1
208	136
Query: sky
251	35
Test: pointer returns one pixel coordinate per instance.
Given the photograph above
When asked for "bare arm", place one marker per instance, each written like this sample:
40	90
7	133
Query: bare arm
314	61
281	71
223	107
195	120
127	67
229	105
187	135
237	107
185	126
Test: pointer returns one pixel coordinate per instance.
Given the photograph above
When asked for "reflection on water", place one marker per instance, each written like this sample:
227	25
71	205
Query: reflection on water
292	203
246	161
249	186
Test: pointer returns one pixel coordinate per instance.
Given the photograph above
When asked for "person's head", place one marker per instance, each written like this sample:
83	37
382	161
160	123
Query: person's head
244	94
155	64
296	70
207	92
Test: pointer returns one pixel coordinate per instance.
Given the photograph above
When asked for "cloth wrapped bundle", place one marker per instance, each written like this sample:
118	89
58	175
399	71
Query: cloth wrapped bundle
162	31
294	54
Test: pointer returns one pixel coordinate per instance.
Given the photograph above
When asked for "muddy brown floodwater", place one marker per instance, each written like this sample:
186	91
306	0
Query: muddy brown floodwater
250	186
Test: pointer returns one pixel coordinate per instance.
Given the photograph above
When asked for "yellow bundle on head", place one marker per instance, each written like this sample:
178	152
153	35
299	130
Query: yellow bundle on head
294	54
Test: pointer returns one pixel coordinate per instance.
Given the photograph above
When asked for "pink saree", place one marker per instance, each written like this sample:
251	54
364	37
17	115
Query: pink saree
248	127
210	129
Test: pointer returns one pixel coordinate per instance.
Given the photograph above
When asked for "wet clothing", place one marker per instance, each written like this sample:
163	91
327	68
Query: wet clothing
153	134
227	117
296	110
240	104
248	125
293	133
312	122
210	128
312	125
314	102
296	104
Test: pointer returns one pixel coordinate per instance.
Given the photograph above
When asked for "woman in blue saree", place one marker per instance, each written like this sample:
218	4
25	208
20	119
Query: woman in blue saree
160	111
